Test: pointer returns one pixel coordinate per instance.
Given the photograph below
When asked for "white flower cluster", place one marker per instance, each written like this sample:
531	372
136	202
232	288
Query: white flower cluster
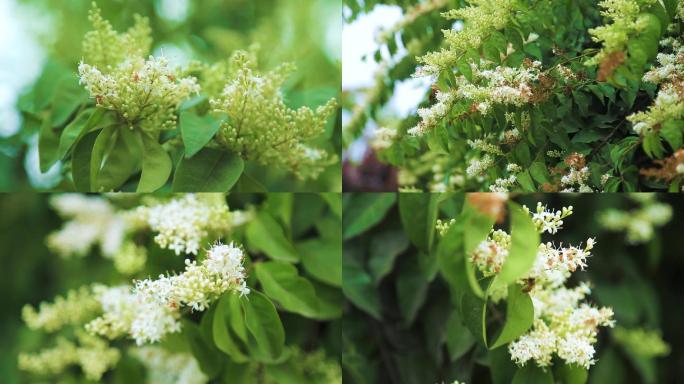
182	223
490	85
639	224
669	103
576	180
564	325
383	138
77	307
503	184
152	308
163	366
92	354
431	117
548	220
93	221
142	92
478	167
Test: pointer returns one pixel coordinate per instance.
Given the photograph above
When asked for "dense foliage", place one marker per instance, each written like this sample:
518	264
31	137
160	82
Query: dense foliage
240	110
184	289
531	95
440	289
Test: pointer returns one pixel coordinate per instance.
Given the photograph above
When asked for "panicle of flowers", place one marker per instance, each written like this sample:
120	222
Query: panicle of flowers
642	342
163	366
431	117
640	223
152	308
93	221
490	254
104	48
92	354
548	220
625	24
262	128
564	324
143	93
383	138
76	307
490	85
478	167
182	223
669	103
480	17
575	180
130	259
503	184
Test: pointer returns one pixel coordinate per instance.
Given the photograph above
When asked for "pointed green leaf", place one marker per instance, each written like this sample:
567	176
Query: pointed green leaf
519	316
197	131
210	170
156	166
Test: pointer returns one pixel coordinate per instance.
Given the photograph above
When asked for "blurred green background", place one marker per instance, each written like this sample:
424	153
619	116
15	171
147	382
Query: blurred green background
306	32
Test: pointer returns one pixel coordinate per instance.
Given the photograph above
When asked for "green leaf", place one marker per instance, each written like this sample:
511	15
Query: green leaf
570	374
120	158
197	131
473	312
671	131
264	234
98	151
76	129
322	259
203	350
459	340
210	170
539	172
334	201
418	212
524	244
156	166
411	288
477	227
365	211
282	283
264	326
384	249
222	332
68	96
357	284
80	161
531	374
48	144
519	316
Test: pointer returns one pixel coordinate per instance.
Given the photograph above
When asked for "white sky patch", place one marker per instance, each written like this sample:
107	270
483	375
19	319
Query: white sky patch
407	95
358	40
21	60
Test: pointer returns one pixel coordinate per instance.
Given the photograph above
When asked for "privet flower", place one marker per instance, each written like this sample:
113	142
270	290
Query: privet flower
262	128
151	309
92	354
75	308
143	93
163	366
130	259
564	324
490	85
104	48
182	223
639	224
479	19
642	342
93	221
669	103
